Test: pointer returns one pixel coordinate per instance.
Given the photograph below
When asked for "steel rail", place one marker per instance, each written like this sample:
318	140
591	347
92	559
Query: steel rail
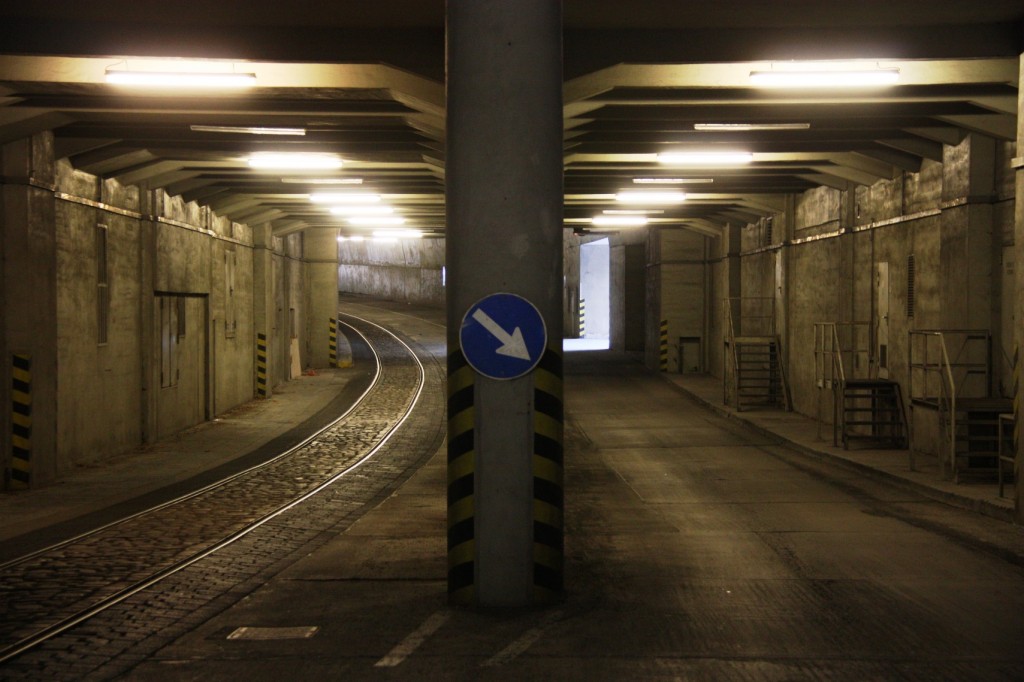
34	640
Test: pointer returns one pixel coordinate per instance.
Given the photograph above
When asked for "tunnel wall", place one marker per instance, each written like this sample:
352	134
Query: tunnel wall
408	270
175	285
817	260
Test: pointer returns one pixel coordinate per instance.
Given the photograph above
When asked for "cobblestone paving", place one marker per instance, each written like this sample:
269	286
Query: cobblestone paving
58	584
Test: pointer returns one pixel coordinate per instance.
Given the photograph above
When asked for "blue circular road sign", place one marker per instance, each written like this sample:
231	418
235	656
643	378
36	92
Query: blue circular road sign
503	336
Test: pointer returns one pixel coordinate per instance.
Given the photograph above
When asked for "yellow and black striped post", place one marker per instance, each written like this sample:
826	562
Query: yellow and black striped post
21	420
261	365
548	496
332	342
663	346
461	480
1016	412
583	317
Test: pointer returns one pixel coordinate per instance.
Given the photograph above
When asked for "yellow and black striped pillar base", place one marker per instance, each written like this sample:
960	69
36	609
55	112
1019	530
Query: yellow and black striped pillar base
548	496
21	420
1016	413
663	346
583	317
461	472
261	365
332	343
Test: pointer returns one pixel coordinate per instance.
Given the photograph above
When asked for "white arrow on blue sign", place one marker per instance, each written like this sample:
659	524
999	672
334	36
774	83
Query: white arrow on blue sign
503	336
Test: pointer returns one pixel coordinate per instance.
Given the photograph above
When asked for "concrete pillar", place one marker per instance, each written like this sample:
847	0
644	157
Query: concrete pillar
1018	248
320	258
966	247
29	304
504	208
149	343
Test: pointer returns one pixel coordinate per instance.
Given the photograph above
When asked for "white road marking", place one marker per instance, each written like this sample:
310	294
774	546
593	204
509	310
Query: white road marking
524	642
408	645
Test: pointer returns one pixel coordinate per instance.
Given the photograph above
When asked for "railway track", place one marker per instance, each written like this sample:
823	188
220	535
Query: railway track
62	598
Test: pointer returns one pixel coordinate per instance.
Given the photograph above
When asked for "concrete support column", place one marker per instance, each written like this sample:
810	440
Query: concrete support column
28	296
263	308
1018	248
784	231
966	247
320	258
149	343
732	287
504	209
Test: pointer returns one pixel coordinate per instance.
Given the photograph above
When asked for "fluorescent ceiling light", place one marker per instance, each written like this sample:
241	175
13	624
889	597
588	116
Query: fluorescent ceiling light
619	220
344	198
247	130
742	127
357	209
650	197
323	181
705	158
398	234
376	221
630	211
294	161
357	238
672	181
176	79
824	78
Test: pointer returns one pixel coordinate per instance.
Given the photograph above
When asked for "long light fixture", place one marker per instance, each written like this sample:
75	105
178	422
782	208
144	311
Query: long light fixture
816	76
744	127
323	181
344	198
632	211
650	197
294	161
376	221
361	209
398	234
182	79
705	158
672	181
247	130
619	220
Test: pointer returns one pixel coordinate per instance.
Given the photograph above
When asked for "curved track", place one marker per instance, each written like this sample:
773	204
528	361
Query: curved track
54	591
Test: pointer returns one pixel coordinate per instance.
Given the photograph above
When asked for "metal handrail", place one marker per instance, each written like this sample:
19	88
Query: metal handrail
828	345
949	390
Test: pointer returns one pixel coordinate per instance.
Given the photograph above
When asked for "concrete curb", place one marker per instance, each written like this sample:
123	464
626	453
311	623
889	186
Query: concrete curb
962	502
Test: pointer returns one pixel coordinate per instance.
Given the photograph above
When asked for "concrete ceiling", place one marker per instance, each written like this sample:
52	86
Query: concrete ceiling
366	82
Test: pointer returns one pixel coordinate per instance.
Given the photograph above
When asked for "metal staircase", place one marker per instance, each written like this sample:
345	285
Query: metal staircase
760	381
755	375
872	413
951	376
866	409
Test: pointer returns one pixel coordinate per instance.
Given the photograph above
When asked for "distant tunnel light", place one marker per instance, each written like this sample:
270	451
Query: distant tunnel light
672	181
322	181
294	161
376	221
641	197
398	234
744	127
705	158
247	130
824	78
341	198
619	220
175	79
365	209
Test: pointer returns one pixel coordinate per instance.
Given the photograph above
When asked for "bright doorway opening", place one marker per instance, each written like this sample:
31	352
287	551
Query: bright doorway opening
595	298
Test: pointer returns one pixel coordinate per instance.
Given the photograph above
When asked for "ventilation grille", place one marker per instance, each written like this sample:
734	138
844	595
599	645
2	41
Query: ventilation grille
911	277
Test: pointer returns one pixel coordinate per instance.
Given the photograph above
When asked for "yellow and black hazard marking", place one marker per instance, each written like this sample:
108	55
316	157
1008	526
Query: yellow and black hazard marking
548	462
583	317
461	479
261	365
21	420
332	342
663	346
